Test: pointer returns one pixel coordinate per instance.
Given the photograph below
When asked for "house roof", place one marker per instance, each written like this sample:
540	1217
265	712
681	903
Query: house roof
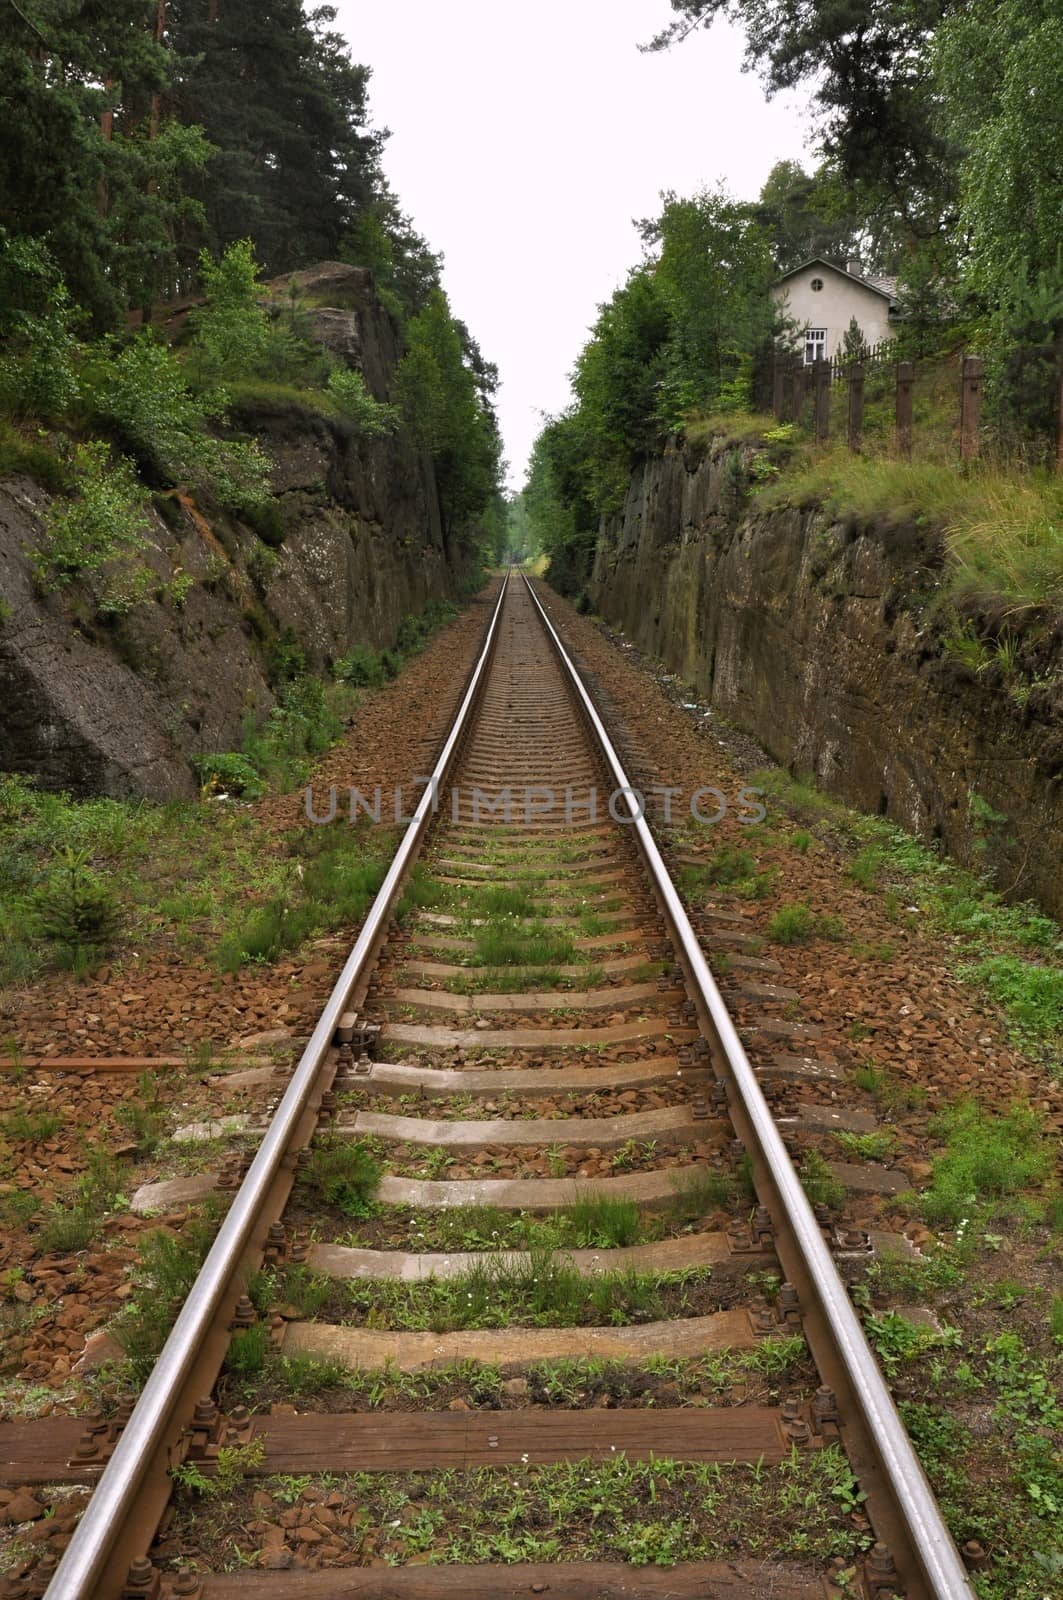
878	283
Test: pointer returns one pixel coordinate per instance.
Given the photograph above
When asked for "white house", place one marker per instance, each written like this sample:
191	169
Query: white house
822	299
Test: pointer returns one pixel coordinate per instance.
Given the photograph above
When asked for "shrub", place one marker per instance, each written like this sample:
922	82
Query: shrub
143	392
230	334
76	909
792	924
104	521
363	667
37	376
229	771
344	1175
348	393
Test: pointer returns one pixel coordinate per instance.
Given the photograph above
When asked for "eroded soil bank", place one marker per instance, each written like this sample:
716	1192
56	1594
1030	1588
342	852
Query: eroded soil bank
826	639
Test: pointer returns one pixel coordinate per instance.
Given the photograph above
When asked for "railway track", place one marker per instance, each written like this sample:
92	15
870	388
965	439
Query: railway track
524	1181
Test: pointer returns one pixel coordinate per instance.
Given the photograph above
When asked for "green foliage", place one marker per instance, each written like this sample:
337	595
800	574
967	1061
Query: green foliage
331	886
144	393
229	772
1030	993
76	909
104	521
342	1174
444	391
819	1182
366	668
986	1158
37	345
248	1350
114	211
372	418
230	334
793	924
165	1272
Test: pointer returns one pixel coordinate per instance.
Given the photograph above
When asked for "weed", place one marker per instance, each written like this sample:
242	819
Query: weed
819	1182
1030	994
801	840
599	1221
875	1146
33	1127
165	1273
248	1349
792	924
342	1174
232	1464
986	1157
865	867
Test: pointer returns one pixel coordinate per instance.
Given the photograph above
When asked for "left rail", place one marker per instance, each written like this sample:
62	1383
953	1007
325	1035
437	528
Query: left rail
111	1534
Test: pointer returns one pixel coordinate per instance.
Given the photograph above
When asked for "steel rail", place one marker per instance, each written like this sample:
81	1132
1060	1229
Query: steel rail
929	1538
145	1432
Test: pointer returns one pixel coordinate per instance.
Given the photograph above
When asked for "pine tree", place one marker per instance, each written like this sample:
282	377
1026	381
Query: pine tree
278	96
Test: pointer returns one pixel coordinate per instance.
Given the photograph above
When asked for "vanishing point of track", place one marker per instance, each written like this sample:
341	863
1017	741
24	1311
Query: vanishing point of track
649	1040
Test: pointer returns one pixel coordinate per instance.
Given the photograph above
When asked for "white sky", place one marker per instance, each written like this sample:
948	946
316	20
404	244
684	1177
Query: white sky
526	134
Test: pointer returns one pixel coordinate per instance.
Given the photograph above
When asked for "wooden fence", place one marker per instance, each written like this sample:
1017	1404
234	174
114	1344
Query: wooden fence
792	381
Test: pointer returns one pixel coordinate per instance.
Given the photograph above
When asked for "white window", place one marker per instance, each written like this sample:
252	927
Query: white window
817	284
815	345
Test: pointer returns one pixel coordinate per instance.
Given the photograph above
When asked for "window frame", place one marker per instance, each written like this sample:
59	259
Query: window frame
815	345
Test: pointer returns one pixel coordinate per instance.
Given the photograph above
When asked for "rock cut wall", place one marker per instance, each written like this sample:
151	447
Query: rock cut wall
818	636
119	706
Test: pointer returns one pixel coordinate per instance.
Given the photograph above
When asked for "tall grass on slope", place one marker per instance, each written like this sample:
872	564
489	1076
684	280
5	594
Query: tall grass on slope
1002	529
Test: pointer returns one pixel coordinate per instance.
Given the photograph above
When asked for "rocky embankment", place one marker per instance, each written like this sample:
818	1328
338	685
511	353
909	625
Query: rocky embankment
825	638
355	543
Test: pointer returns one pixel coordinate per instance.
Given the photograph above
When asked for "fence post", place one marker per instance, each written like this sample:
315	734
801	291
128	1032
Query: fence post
905	384
797	388
778	385
821	378
970	406
856	405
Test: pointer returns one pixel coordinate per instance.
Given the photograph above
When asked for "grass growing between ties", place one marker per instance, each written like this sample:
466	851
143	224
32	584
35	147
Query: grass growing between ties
774	1368
539	1289
344	1174
655	1513
596	1222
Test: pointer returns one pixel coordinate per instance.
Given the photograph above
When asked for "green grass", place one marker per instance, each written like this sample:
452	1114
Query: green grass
876	1146
1000	526
344	1174
166	1270
798	923
541	1288
819	1182
1029	993
640	1513
986	1159
33	1127
1010	949
203	876
331	882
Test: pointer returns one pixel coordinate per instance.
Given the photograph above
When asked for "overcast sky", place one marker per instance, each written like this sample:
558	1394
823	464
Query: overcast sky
526	134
